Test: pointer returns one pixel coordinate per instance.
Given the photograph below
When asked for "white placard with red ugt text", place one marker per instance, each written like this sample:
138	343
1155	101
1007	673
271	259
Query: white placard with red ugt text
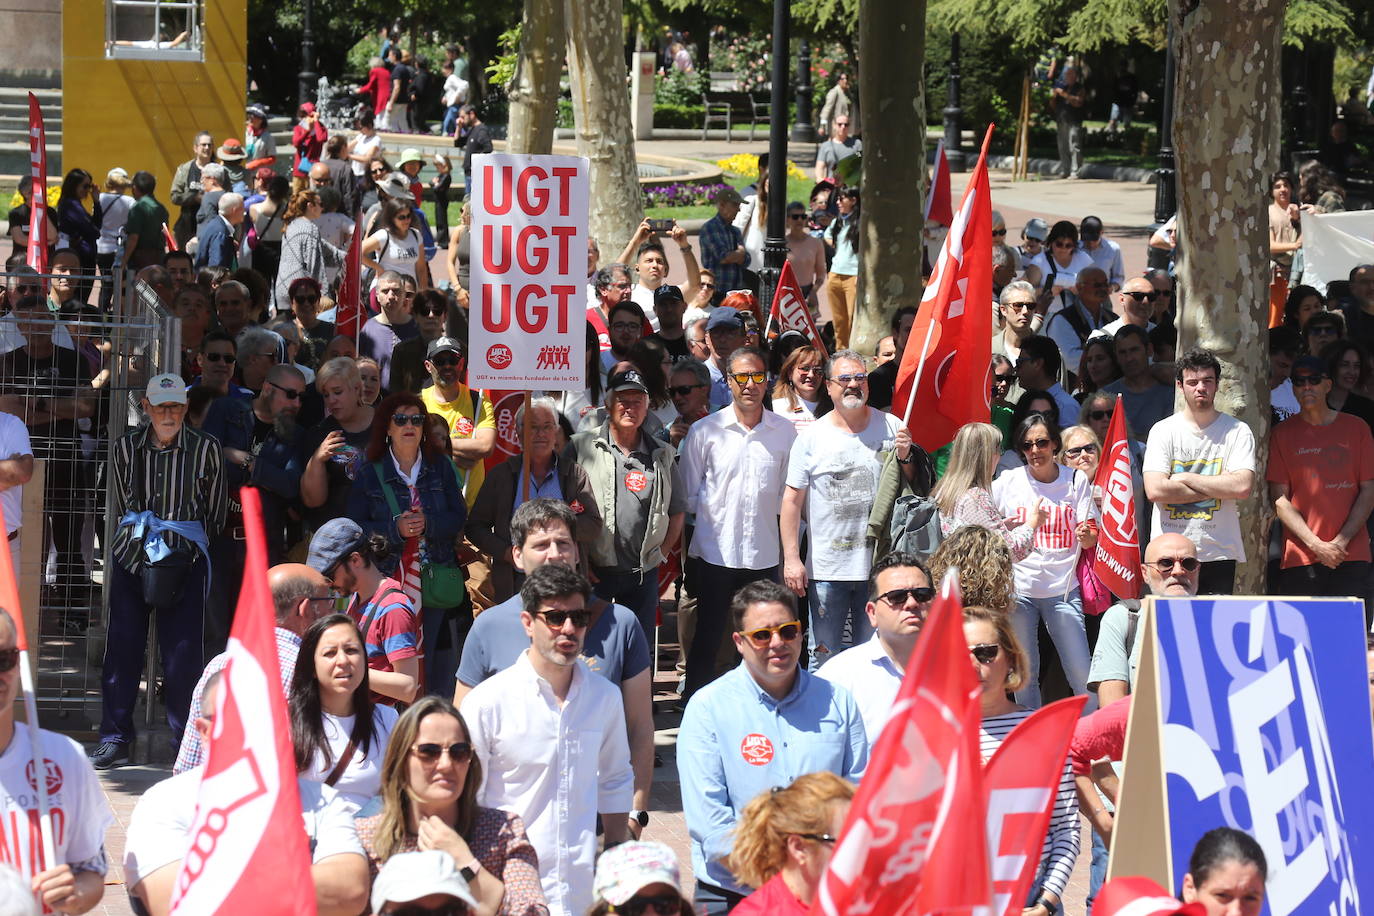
528	274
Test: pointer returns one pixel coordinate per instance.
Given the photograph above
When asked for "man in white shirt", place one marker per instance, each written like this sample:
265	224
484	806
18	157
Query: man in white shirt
899	597
159	836
1105	253
1198	463
733	464
80	812
16	468
551	736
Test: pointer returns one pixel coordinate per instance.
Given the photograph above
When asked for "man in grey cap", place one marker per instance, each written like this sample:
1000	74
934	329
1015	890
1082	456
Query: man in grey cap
168	495
1105	253
1033	239
722	245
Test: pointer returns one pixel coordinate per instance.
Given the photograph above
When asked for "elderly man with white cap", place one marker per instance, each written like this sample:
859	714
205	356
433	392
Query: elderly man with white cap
168	492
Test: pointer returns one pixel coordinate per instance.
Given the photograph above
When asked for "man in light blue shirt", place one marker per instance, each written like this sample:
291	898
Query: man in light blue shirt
760	726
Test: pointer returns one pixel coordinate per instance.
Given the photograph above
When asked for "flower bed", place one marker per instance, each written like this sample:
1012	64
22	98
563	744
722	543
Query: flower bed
691	194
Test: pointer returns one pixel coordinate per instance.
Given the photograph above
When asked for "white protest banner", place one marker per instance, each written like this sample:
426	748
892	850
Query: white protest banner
528	274
1335	243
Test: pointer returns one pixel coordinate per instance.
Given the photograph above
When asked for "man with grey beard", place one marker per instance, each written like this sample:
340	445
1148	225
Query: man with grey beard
259	439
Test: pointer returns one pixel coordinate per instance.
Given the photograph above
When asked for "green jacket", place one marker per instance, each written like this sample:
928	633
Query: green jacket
592	450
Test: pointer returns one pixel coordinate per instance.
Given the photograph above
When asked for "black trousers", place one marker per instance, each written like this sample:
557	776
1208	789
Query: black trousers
714	586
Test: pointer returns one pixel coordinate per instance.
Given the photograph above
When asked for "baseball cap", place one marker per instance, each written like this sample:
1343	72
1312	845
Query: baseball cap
443	345
308	108
1090	230
624	870
231	149
1314	365
332	543
727	193
725	318
409	154
395	185
1036	228
409	876
667	293
166	389
257	111
627	380
1141	897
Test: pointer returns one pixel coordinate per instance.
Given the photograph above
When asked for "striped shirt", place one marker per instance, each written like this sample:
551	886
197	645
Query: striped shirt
183	482
1061	846
393	627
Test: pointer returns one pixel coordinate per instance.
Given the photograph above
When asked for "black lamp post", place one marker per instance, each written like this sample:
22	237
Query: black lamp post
307	79
954	115
803	131
1166	197
775	241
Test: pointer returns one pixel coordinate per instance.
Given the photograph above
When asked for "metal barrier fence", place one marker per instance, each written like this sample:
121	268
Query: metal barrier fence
74	377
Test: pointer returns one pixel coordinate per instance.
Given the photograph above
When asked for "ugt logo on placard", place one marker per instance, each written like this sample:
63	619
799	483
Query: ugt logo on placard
499	356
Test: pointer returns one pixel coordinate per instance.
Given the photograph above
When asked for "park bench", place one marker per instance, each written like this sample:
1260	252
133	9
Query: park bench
724	105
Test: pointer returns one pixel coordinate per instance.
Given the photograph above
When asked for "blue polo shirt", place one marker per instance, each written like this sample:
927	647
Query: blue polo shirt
736	741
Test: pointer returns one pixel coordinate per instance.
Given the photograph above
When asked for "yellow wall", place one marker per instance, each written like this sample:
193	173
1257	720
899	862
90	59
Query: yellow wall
140	114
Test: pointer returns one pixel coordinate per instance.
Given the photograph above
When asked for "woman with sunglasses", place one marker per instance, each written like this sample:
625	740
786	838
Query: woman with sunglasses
1059	263
963	495
639	878
784	843
1046	582
339	734
1034	401
428	800
408	492
397	245
337	443
841	285
1002	667
800	394
304	252
1098	367
77	229
1082	452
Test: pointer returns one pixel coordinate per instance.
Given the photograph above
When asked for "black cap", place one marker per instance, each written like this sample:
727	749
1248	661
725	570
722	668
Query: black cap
1314	365
1090	230
667	293
443	345
627	380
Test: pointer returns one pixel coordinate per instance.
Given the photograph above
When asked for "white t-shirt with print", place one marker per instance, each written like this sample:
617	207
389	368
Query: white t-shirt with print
839	471
1225	445
398	254
1048	570
362	778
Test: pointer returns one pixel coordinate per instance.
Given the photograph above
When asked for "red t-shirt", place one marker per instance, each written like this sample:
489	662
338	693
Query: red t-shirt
773	899
393	627
1100	735
1323	467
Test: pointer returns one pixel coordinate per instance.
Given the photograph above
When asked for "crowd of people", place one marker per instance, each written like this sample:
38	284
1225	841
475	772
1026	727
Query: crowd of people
468	639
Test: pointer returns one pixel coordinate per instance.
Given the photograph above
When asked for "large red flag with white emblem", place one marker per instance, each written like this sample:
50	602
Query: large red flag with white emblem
945	375
349	316
913	842
37	254
1117	557
248	846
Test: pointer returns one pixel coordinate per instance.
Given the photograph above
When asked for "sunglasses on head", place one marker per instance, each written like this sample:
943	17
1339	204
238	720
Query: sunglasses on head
683	390
1164	564
663	905
458	752
556	619
762	636
1138	296
219	357
8	659
900	596
985	652
413	419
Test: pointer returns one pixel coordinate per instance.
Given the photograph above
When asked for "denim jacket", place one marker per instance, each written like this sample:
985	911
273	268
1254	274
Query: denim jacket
276	470
440	497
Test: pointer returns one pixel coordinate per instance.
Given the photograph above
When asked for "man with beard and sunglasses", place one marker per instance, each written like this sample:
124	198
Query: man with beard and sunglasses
260	440
899	597
468	414
762	725
551	737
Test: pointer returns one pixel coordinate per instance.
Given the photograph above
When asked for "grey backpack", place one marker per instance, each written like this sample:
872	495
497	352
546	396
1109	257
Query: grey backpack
915	526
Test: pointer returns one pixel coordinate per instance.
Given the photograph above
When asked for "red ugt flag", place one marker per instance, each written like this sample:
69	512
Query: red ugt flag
1117	557
943	381
939	206
913	842
349	317
1022	784
789	312
37	255
248	849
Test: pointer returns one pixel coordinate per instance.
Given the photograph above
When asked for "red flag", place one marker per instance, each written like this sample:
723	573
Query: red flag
37	256
248	848
945	376
939	202
169	239
1117	557
1022	782
789	312
348	318
504	404
913	841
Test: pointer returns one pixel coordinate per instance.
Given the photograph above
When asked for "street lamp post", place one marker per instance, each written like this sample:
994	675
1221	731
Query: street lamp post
954	115
1166	195
775	242
803	131
306	79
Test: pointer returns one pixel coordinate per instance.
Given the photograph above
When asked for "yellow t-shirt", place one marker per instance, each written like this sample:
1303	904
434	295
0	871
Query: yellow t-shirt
458	414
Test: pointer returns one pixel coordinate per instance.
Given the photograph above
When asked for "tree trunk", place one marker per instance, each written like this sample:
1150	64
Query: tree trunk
534	89
1226	137
892	93
601	108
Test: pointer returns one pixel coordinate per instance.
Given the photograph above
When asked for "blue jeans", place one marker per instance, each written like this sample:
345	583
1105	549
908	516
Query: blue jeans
637	592
450	121
1064	619
1098	873
832	604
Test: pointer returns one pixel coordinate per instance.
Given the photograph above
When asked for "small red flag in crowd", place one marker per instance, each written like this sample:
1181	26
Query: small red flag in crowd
37	254
789	311
1117	557
169	238
1021	782
349	317
944	380
913	841
248	849
939	200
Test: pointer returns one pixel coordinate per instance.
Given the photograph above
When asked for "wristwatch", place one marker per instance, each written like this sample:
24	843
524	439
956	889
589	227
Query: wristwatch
640	817
1050	906
469	871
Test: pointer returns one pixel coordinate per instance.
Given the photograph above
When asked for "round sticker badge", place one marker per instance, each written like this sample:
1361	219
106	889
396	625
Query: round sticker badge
756	750
636	481
463	427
